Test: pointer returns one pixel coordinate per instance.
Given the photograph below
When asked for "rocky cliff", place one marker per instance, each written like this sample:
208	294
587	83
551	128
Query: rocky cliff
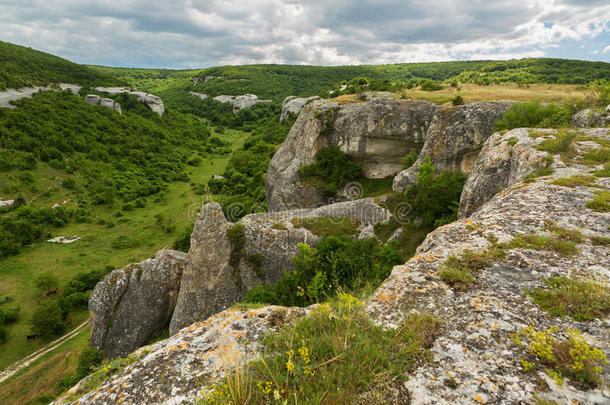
476	358
378	133
131	305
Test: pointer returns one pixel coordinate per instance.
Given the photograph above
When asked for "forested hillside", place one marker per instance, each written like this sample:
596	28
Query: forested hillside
22	67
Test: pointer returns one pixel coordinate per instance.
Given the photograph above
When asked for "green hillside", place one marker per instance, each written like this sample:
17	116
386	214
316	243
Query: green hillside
22	67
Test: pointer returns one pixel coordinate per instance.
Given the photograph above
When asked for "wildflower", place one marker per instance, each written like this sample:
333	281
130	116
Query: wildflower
289	365
276	395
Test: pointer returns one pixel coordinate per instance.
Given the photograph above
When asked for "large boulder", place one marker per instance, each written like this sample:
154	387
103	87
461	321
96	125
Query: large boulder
294	105
110	103
588	118
221	269
132	305
454	139
376	133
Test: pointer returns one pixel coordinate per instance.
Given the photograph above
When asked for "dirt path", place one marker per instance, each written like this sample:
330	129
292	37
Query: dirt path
26	361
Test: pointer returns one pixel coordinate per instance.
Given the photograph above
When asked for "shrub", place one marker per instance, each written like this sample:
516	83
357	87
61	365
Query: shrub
183	242
335	263
600	202
430	85
3	334
457	100
435	199
408	160
535	115
47	281
8	314
5	299
333	169
582	300
47	320
571	357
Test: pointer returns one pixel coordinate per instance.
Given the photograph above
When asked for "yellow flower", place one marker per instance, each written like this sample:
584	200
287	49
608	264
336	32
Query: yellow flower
289	365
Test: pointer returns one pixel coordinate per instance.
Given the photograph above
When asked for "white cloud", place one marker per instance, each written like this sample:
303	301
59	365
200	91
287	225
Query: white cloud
195	33
606	49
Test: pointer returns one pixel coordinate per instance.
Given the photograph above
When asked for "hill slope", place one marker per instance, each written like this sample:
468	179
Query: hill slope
22	67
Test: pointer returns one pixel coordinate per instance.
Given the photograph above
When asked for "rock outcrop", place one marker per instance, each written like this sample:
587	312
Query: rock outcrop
16	94
240	102
221	270
153	102
94	99
474	359
588	118
378	134
454	139
294	105
131	305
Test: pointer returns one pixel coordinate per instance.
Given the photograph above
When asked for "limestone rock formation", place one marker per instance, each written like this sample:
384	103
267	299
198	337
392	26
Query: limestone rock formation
220	270
294	105
474	359
131	305
240	102
503	161
589	118
174	370
378	134
94	99
199	95
153	102
454	139
16	94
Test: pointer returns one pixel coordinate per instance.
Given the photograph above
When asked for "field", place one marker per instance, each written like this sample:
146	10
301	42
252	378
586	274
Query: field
177	206
548	93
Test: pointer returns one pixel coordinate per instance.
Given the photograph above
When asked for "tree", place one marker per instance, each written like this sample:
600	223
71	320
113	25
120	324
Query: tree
47	281
47	320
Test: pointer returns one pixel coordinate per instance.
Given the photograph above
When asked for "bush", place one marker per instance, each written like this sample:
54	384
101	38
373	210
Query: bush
333	169
457	100
183	242
335	264
435	199
3	334
47	281
408	160
8	314
535	115
48	320
430	85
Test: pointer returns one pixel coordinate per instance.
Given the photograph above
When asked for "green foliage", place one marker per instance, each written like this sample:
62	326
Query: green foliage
256	261
582	300
332	169
183	242
539	242
3	334
562	357
46	281
430	85
574	181
22	67
460	272
600	202
409	159
435	199
5	299
335	263
535	115
333	356
561	143
48	320
88	361
8	314
600	240
457	100
325	226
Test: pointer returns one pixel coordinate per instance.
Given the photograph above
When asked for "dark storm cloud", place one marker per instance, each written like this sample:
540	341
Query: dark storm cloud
194	33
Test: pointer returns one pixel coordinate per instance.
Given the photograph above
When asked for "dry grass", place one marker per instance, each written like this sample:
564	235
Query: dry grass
551	93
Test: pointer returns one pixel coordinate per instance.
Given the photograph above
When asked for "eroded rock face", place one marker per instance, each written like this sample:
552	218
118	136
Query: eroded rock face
589	118
474	360
153	102
131	305
220	271
294	105
376	133
240	102
454	139
174	371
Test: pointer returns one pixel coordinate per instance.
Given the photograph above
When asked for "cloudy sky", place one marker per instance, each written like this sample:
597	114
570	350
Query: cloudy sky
201	33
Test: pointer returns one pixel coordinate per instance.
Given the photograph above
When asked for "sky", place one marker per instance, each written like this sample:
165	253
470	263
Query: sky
201	33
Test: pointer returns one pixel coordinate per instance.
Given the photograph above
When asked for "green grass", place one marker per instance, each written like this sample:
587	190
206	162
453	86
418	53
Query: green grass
604	172
325	226
335	355
539	242
578	180
583	300
601	201
461	271
600	240
561	144
176	207
36	383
